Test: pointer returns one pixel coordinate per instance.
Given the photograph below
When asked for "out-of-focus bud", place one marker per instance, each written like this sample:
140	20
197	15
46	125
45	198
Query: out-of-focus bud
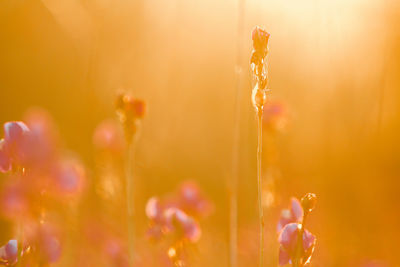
308	202
130	111
136	108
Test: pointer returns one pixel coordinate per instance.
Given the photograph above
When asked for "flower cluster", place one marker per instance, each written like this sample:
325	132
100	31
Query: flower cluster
176	217
296	243
38	178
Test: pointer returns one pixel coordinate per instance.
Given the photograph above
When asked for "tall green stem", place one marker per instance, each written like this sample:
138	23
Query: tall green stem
259	179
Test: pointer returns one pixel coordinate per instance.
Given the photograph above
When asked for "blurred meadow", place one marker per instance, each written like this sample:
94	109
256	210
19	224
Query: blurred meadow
333	67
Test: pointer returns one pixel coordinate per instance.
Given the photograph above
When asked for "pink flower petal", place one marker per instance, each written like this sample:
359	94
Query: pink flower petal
284	257
153	209
308	239
13	131
296	210
288	236
9	251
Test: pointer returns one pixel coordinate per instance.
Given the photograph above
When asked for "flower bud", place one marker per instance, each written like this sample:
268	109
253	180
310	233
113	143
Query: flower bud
308	202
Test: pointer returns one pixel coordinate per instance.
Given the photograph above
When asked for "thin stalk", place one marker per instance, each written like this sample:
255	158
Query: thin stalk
233	215
259	179
299	246
130	200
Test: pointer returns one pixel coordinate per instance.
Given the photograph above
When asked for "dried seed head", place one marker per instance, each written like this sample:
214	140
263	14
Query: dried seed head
259	97
308	202
260	39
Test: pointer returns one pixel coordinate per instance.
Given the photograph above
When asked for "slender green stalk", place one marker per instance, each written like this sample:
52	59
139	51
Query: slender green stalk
259	179
130	199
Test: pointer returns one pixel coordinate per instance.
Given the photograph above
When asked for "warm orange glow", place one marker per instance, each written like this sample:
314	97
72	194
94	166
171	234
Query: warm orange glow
330	126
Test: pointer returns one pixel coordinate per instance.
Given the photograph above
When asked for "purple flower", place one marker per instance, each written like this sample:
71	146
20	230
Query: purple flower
193	201
155	212
165	219
183	225
9	252
14	132
11	149
289	250
292	215
69	176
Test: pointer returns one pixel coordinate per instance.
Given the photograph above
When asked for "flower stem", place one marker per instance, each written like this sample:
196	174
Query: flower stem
299	246
259	179
130	199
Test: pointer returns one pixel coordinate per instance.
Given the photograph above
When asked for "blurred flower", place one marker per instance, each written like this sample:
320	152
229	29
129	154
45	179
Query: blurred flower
9	253
41	144
48	243
167	220
289	245
102	238
192	200
275	116
28	145
181	207
108	137
68	178
183	225
12	147
292	215
154	210
14	200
